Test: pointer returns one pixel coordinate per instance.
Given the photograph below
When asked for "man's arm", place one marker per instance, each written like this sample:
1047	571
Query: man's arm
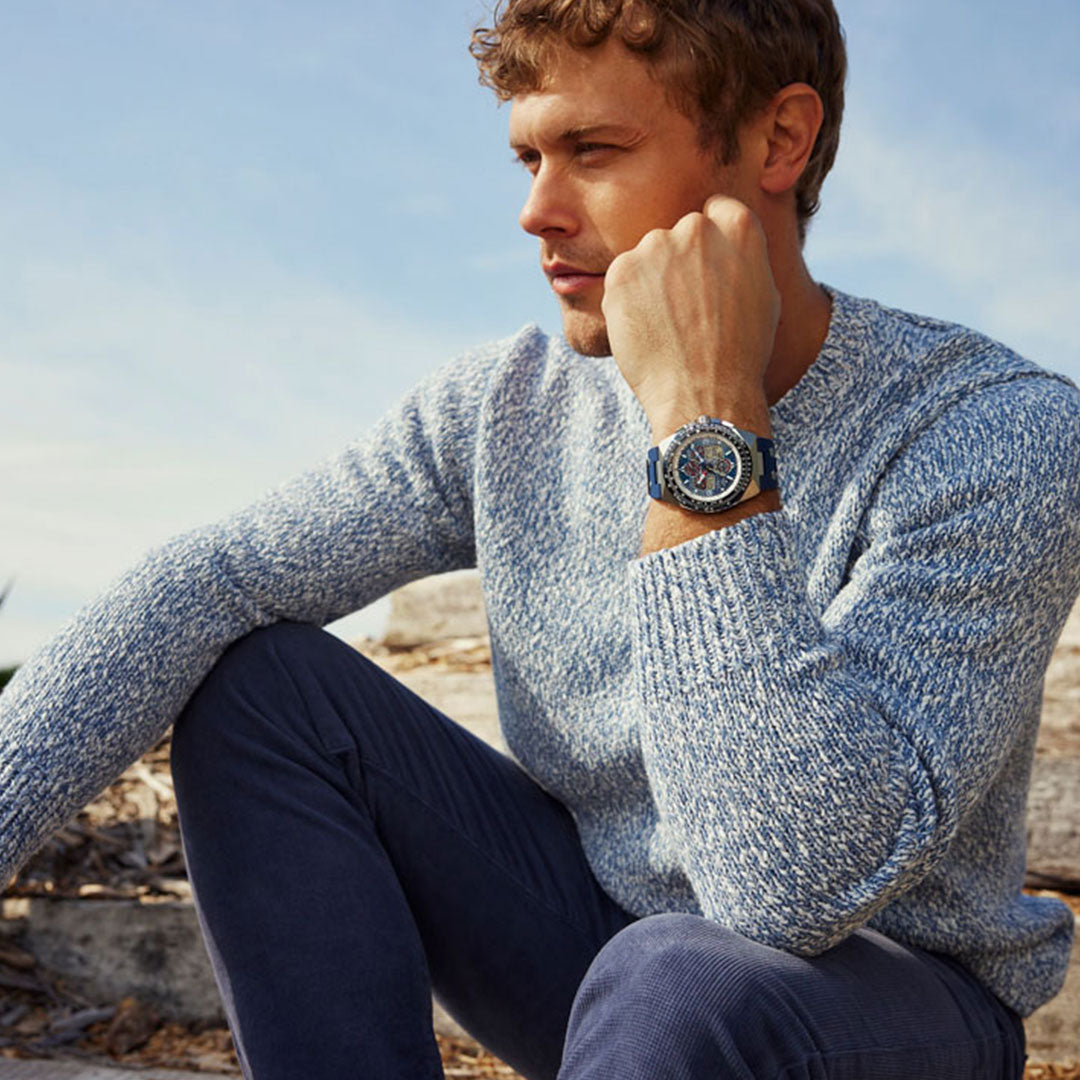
394	506
811	764
692	315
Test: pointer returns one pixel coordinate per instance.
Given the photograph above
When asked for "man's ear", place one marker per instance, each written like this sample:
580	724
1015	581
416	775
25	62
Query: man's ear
789	128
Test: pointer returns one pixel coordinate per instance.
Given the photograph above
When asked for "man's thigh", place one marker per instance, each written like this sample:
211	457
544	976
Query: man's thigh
323	764
506	904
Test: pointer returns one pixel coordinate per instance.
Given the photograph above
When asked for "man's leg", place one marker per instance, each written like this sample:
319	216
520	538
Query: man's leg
347	843
676	997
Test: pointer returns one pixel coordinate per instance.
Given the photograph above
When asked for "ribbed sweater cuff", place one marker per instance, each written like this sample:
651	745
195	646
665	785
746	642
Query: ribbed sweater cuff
22	787
736	595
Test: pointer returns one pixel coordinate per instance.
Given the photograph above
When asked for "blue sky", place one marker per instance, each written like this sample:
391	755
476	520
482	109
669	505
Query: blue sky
233	233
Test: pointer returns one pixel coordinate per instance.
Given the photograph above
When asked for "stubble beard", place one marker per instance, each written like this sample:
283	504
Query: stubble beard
583	320
585	330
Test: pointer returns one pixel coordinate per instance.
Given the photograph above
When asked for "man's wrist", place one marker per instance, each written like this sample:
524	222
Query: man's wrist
668	525
747	411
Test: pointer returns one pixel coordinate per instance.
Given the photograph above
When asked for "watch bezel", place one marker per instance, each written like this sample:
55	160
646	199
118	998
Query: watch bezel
705	425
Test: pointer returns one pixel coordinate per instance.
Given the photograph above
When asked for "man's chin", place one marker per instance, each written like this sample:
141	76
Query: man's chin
587	334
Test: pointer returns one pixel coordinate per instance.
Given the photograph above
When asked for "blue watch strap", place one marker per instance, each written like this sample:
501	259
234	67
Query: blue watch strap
652	468
769	480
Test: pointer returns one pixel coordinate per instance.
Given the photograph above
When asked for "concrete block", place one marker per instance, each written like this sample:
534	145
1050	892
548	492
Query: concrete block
108	949
441	606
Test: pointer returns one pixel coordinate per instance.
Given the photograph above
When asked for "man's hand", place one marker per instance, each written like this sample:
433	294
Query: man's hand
691	317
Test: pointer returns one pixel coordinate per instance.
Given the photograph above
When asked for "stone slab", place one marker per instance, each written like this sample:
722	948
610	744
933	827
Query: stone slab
441	606
1053	1032
64	1070
1059	733
108	949
1053	822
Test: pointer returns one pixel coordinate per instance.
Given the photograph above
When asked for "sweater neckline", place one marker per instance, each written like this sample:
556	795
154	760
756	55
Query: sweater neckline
818	385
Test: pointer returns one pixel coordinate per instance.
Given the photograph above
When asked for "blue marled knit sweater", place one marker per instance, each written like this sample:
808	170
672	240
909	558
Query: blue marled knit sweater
816	719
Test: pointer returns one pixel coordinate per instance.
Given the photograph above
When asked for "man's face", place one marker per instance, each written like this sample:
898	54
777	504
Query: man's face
611	158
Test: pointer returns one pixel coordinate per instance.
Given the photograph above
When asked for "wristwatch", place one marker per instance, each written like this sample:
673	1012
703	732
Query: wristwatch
710	465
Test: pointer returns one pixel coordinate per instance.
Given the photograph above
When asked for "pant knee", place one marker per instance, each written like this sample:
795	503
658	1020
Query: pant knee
685	982
253	681
662	958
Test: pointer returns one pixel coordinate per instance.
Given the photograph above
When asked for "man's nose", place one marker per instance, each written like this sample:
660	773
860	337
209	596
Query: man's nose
549	207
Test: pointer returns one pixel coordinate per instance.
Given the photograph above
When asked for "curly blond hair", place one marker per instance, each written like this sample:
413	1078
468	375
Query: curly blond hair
720	61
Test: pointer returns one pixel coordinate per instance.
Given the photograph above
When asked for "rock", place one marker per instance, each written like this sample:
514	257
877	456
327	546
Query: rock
1059	732
1054	798
442	606
1053	824
109	949
1053	1032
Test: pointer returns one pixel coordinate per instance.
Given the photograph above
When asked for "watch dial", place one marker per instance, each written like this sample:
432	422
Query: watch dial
707	467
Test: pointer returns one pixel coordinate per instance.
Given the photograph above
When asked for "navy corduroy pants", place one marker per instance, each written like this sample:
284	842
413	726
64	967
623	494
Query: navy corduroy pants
351	848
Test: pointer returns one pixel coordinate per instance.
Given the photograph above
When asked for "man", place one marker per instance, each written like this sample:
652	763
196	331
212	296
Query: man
771	591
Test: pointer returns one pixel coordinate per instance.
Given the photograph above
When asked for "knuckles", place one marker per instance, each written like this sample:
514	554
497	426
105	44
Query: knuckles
737	221
654	239
617	271
723	224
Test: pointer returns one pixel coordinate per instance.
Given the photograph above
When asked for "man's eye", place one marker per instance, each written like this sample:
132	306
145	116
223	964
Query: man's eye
592	148
528	159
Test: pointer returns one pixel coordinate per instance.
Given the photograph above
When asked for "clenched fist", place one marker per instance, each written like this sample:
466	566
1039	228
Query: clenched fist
691	316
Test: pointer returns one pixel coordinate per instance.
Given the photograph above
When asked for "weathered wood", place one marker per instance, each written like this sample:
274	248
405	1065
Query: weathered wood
1053	824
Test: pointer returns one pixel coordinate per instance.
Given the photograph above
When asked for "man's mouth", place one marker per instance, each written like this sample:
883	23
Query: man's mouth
567	280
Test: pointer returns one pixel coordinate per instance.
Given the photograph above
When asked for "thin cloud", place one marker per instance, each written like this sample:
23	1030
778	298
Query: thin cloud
962	215
140	409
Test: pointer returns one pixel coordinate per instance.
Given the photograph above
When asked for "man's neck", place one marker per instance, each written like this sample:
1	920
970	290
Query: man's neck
804	323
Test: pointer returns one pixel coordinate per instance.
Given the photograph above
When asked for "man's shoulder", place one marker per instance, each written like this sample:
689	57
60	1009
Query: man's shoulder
527	347
923	358
945	399
529	371
462	383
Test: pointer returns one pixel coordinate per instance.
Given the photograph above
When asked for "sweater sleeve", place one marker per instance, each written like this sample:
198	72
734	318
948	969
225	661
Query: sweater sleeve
812	763
394	506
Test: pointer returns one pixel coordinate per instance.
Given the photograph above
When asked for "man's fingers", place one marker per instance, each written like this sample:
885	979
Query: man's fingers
735	218
722	207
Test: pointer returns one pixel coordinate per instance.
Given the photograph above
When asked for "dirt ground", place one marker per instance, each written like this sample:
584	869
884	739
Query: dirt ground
126	844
